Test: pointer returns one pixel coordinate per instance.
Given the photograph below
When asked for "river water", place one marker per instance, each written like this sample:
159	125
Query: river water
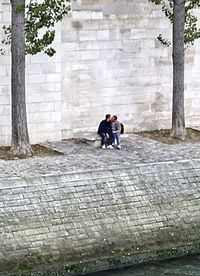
189	266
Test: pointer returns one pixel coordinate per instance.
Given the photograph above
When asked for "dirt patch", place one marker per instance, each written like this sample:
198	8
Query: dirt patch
163	136
38	150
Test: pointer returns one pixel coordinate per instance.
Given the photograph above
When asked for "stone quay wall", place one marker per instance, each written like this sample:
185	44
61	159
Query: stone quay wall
96	216
108	60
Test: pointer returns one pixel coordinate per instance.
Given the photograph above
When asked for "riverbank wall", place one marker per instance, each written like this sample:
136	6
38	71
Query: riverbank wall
94	220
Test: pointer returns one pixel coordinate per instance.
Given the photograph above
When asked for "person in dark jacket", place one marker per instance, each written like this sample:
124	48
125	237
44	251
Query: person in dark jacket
105	131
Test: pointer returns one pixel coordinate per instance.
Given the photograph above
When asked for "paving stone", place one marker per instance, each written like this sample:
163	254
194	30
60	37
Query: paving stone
77	157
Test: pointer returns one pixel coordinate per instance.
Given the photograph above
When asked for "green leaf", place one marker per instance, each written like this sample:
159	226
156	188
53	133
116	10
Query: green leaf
40	17
191	30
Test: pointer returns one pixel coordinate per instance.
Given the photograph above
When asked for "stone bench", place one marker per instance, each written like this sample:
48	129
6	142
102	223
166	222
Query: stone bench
94	139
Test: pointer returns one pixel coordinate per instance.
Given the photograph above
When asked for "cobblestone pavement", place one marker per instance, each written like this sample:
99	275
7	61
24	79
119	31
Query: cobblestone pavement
81	156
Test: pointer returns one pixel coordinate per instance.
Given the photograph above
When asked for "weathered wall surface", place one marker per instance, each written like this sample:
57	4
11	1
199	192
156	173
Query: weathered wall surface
108	60
114	64
43	87
91	215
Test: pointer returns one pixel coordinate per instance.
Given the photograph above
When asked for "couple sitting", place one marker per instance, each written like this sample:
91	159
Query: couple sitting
110	129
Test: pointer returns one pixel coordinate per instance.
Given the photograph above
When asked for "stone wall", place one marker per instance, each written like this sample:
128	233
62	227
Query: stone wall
43	89
97	215
108	61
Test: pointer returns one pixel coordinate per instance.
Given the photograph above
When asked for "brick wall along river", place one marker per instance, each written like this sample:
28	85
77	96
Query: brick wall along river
99	215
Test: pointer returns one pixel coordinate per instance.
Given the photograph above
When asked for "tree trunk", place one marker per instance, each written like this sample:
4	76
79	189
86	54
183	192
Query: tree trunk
20	145
178	116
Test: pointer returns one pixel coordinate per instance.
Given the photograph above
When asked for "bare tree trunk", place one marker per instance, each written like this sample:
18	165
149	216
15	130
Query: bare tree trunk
178	116
20	145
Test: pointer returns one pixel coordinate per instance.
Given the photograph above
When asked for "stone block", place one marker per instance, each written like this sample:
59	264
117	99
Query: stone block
5	99
103	35
53	78
68	36
97	15
6	7
34	69
81	15
46	117
3	71
48	68
36	78
90	55
58	87
131	46
6	16
56	116
87	35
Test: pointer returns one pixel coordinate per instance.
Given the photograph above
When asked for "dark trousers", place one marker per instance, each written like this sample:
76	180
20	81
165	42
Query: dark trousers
103	138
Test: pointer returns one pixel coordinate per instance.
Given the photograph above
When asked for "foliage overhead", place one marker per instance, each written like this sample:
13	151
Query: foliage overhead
40	22
192	32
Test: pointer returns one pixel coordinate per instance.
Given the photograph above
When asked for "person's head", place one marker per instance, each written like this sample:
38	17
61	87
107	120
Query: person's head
114	118
108	117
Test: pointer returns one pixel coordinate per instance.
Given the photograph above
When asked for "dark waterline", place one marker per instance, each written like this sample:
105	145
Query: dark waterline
186	266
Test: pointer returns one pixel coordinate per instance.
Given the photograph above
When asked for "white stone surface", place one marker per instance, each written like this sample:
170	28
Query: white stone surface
107	60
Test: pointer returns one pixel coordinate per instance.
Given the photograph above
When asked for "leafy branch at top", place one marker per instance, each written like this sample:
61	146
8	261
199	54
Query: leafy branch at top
192	32
40	18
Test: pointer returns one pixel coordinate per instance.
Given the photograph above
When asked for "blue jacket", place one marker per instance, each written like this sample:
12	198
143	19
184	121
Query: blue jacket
104	127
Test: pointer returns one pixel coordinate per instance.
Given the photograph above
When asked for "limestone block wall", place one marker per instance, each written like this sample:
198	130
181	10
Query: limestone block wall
108	60
4	81
94	215
43	91
114	64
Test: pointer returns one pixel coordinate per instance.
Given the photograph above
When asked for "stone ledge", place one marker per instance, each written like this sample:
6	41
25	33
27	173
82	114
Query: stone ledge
94	139
165	166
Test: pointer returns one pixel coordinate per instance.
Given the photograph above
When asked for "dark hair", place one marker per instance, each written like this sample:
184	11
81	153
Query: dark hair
115	117
108	116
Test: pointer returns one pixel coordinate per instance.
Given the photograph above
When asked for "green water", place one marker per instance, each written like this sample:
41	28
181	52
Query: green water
189	266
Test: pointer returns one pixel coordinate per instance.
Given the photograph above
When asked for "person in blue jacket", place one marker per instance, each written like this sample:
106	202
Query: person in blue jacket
105	131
